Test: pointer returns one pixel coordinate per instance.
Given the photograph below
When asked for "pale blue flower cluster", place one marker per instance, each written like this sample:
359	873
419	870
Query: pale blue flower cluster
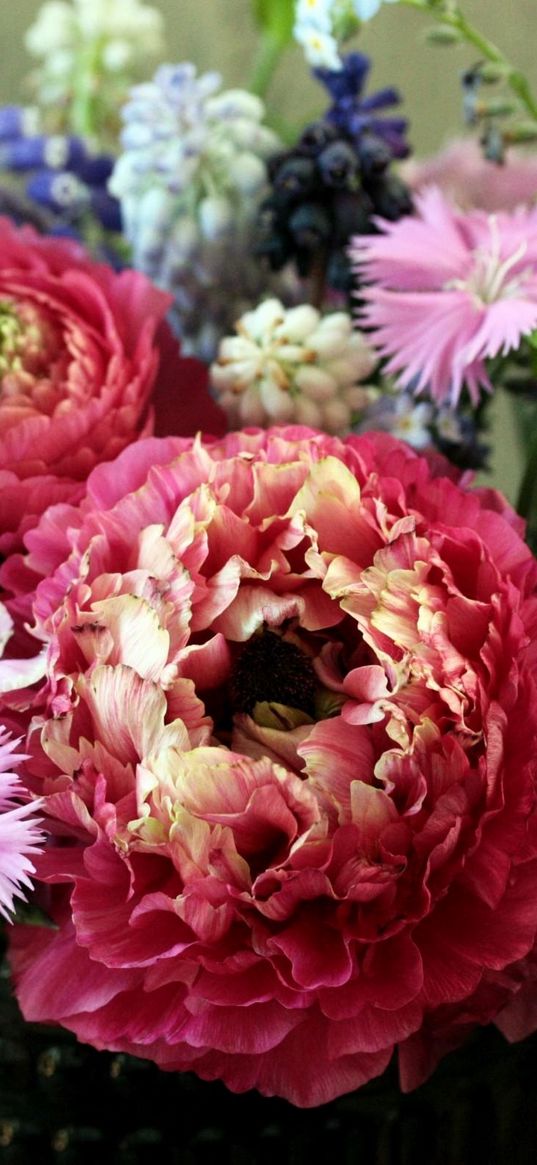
320	24
190	180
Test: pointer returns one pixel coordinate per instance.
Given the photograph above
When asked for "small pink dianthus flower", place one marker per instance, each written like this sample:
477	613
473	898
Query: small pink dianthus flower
446	290
20	836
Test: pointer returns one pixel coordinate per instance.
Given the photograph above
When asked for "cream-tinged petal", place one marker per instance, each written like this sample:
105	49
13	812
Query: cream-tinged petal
128	712
372	811
139	640
22	673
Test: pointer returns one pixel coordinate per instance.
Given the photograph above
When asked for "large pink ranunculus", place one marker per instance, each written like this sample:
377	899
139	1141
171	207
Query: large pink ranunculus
80	347
286	740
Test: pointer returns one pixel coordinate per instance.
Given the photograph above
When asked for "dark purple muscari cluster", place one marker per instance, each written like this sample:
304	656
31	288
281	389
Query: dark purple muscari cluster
333	182
57	175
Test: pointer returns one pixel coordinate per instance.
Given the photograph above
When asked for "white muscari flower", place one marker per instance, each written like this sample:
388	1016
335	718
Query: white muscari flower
190	180
117	55
95	47
234	104
60	24
215	217
293	365
248	173
60	66
53	29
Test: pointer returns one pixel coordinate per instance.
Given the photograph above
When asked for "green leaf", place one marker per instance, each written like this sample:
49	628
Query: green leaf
29	914
275	17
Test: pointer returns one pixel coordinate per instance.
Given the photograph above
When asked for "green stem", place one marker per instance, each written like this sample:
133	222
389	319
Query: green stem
83	114
266	60
450	15
528	486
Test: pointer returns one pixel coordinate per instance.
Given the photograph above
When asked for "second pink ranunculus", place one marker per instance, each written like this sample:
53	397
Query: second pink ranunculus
286	743
80	353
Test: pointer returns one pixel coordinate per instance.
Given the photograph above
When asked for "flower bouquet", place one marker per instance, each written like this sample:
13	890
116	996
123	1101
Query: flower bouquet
268	671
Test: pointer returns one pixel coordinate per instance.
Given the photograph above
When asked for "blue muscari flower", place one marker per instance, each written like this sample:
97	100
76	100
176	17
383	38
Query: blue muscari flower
17	121
106	209
95	170
354	114
62	177
54	152
58	191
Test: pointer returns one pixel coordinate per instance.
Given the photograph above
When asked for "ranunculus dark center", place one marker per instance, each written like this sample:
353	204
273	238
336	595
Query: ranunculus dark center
271	669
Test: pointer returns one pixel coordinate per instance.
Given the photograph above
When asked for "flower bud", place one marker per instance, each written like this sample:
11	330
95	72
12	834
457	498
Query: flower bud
248	173
215	217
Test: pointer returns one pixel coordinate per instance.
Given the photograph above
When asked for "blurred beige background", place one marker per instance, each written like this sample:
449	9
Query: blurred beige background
220	34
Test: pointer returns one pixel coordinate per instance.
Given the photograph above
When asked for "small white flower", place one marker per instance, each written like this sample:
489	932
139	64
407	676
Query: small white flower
320	48
402	417
366	9
293	365
319	23
317	13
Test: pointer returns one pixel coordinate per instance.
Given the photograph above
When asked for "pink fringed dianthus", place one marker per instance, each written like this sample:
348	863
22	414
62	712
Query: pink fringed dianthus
445	290
466	177
286	740
20	836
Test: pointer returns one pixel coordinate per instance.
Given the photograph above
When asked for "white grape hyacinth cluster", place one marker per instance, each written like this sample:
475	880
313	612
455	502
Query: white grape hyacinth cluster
101	43
294	366
190	180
